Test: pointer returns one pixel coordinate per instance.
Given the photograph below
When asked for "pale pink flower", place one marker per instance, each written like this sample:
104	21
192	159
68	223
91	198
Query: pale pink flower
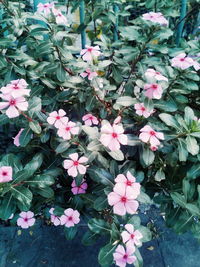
60	18
153	90
131	237
122	200
113	136
45	8
56	118
149	135
81	189
151	73
26	219
182	61
13	105
54	219
90	52
156	17
88	73
5	174
142	111
89	119
129	181
67	129
70	218
123	256
75	165
117	120
153	148
16	88
16	138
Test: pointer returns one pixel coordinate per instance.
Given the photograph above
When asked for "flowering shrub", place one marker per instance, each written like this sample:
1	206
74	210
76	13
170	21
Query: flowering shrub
99	132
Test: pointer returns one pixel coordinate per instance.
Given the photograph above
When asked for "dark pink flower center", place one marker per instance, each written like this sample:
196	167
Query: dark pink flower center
125	256
152	133
26	219
123	199
76	163
129	183
143	108
89	49
182	59
16	87
157	72
70	218
91	118
132	236
12	102
154	86
67	129
57	117
4	173
114	135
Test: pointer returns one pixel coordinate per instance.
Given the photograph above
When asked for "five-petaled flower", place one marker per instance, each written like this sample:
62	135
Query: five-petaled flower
54	219
74	165
113	136
70	218
81	189
156	18
67	129
89	74
182	61
89	119
148	135
5	174
26	219
60	18
122	255
90	52
142	111
153	90
131	236
151	73
16	88
45	8
56	118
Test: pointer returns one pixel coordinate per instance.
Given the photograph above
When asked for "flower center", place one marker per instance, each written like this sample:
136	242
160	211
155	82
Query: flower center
154	86
70	218
91	118
152	133
89	50
76	163
114	135
143	109
123	199
67	129
4	173
182	59
157	72
57	117
26	219
15	87
129	183
125	256
12	102
132	236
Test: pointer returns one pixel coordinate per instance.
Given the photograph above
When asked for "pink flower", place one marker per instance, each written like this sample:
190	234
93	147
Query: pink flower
151	136
153	148
142	111
89	119
54	219
70	218
156	17
153	90
131	237
67	129
117	120
151	73
16	138
122	200
16	88
196	65
5	174
88	73
112	136
182	61
13	105
56	118
26	219
90	52
45	8
60	18
81	189
129	181
75	166
123	256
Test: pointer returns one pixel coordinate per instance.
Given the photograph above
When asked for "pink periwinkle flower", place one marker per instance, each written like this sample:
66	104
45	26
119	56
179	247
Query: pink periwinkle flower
88	73
13	105
81	189
117	120
90	52
129	181
156	18
113	136
45	8
16	88
149	135
26	219
16	138
151	73
54	219
89	119
67	129
153	90
182	61
153	148
142	111
56	118
5	174
122	200
70	218
74	165
122	255
131	236
60	18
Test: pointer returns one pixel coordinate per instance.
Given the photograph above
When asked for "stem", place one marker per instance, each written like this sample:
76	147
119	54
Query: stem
26	116
82	19
69	71
182	19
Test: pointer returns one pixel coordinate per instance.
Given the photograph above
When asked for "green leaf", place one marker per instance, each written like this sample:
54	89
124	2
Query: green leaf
169	120
99	226
126	101
7	207
25	137
194	172
100	176
182	149
144	198
160	175
3	119
40	181
105	256
117	155
60	73
192	146
101	203
35	127
193	209
34	164
21	176
189	115
46	192
23	195
62	147
145	232
147	156
70	232
148	103
35	105
178	199
89	238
